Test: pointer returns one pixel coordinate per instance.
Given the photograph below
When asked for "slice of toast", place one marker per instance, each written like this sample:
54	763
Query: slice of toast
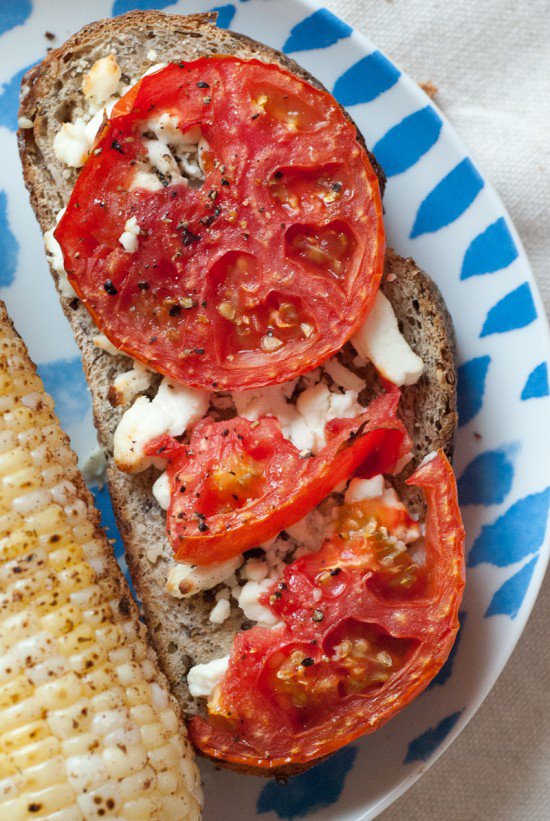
180	629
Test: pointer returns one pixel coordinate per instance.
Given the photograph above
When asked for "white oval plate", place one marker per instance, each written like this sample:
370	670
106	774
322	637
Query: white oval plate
440	210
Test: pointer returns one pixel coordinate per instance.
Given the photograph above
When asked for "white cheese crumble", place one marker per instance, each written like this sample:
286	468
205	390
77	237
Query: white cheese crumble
186	580
359	489
251	607
101	82
161	490
53	249
302	423
203	678
126	386
129	237
25	123
174	157
173	408
380	340
105	344
220	612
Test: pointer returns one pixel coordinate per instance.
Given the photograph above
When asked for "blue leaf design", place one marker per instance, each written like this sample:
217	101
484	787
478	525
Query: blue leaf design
513	311
447	670
225	15
537	383
122	6
9	249
64	381
421	748
514	535
509	597
488	478
320	30
312	791
104	505
404	144
14	14
366	80
490	251
9	100
471	387
449	199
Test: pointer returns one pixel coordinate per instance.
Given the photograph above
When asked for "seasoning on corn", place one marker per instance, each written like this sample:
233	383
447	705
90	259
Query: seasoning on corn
87	727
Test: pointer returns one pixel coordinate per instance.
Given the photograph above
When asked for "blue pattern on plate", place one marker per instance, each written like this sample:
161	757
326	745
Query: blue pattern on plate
490	251
422	747
225	15
471	387
9	248
447	670
488	478
515	310
64	381
537	383
509	597
366	80
311	791
319	30
515	534
404	144
104	505
449	199
9	99
14	13
122	6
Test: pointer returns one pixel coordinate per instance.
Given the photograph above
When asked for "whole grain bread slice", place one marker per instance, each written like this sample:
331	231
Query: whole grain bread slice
51	93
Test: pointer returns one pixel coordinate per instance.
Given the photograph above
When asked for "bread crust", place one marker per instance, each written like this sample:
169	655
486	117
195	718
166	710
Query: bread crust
180	630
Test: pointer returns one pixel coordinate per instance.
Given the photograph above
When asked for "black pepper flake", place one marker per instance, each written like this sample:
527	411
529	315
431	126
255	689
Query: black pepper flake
255	116
202	526
175	310
307	662
116	146
202	84
204	303
213	194
335	571
278	175
225	432
188	237
110	288
225	182
336	186
199	351
318	615
49	35
143	286
181	65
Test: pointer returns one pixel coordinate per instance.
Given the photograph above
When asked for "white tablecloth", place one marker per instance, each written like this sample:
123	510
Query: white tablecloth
490	60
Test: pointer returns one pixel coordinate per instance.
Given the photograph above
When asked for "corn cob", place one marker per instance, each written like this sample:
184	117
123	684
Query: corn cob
88	728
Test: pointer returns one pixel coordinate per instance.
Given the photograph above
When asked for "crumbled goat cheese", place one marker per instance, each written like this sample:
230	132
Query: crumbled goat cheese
302	423
101	341
251	607
255	570
203	678
359	489
173	408
220	612
25	123
310	532
380	340
126	386
174	157
101	82
342	376
53	249
186	580
161	490
129	237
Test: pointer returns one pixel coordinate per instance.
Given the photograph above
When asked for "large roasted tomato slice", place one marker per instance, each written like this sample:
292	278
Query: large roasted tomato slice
238	483
251	276
366	624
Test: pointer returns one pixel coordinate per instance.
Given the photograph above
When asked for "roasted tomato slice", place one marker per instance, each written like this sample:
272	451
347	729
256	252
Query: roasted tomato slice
365	625
238	483
260	247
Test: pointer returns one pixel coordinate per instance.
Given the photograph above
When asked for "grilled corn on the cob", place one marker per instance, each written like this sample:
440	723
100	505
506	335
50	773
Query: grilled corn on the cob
87	726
